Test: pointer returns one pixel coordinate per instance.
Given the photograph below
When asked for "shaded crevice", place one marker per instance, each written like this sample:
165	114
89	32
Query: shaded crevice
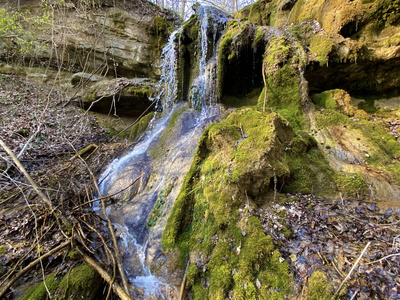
123	106
243	71
361	78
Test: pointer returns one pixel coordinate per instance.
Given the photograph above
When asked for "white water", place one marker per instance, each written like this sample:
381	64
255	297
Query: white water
130	220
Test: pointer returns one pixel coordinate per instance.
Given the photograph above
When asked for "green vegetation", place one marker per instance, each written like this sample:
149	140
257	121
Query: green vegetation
22	33
143	90
235	163
282	90
157	211
322	46
352	185
81	282
140	127
319	287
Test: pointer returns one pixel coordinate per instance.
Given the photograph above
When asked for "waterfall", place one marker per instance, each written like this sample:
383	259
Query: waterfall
203	90
163	157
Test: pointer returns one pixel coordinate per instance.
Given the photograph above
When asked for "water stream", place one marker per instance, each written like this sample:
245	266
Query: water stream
162	159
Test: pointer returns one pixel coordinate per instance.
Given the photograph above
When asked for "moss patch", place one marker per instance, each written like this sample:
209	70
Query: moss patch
82	282
319	287
321	45
352	185
140	127
237	161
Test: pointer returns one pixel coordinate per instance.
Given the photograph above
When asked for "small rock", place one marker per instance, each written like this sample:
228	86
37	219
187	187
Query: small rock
243	233
258	284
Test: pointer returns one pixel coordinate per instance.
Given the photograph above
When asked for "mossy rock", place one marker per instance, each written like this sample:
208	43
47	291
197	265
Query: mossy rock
322	46
352	185
236	163
82	282
140	127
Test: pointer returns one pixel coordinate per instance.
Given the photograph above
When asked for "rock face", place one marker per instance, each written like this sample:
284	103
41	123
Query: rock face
314	129
116	38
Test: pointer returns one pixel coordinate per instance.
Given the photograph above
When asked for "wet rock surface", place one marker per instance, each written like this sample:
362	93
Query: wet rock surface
316	233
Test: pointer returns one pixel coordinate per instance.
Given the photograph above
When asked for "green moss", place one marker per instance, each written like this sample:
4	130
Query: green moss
383	146
39	292
144	90
118	20
234	164
224	51
295	118
324	100
321	45
282	77
251	99
352	185
328	118
319	287
310	171
81	282
140	127
90	97
258	13
3	249
157	210
191	274
160	26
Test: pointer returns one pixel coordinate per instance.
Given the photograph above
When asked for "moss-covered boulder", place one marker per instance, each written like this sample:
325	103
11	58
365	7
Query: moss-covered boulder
81	282
238	163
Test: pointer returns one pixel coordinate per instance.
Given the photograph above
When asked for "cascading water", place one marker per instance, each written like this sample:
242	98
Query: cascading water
162	159
203	91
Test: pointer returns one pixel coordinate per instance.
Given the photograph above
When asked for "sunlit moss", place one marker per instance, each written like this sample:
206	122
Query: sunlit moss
322	46
319	287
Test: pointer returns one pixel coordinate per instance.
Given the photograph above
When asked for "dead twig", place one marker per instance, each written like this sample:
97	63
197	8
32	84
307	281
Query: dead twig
116	287
383	258
111	229
26	174
32	264
351	271
109	196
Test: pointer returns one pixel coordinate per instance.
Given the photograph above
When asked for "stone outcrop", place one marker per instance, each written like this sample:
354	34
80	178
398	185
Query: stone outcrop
116	38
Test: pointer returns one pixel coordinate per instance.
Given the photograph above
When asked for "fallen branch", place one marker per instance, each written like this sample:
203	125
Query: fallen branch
115	286
137	120
184	282
383	258
109	196
26	174
28	142
31	265
111	229
351	271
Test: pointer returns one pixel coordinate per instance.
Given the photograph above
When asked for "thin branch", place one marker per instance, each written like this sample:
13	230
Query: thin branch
383	258
31	265
109	196
116	287
351	271
111	229
26	174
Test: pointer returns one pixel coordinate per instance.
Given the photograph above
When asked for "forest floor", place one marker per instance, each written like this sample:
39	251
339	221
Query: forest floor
316	233
45	133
